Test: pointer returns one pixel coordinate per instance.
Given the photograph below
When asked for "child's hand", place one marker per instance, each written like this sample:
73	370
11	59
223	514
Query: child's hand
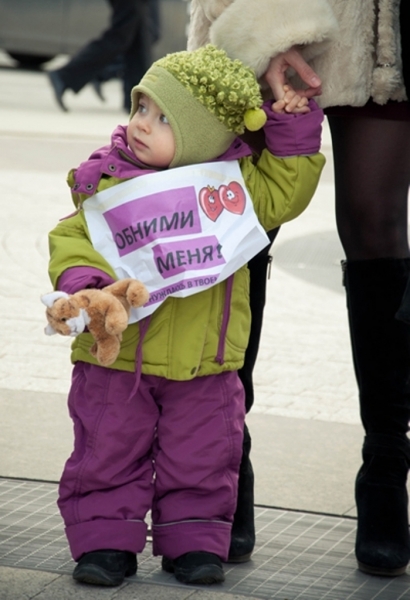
291	102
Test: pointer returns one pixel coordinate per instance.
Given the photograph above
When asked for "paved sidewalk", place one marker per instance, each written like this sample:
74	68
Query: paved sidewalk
305	422
298	556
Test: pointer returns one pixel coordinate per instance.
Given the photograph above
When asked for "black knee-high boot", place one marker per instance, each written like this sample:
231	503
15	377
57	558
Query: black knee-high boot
381	355
243	527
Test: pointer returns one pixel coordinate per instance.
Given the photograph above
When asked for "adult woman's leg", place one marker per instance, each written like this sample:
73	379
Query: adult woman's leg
243	527
372	174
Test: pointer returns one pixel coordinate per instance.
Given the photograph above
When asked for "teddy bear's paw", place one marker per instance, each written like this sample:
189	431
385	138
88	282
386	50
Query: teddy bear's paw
116	321
137	294
93	350
106	352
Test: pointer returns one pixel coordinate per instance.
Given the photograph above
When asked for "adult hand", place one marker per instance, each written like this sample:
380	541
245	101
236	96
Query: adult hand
275	74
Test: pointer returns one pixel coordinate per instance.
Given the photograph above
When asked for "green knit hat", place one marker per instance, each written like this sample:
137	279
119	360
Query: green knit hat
207	98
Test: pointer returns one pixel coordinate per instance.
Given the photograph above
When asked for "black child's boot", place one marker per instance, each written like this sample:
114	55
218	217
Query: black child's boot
381	355
243	527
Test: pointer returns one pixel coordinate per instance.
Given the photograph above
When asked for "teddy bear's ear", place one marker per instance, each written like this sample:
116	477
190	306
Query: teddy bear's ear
49	299
48	330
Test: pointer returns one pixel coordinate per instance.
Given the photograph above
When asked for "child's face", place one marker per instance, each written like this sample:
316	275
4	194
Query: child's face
149	135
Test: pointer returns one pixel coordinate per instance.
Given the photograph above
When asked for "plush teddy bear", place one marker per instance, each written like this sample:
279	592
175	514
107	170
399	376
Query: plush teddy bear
105	312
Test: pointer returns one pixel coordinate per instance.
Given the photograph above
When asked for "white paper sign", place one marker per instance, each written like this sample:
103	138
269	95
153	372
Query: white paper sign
178	231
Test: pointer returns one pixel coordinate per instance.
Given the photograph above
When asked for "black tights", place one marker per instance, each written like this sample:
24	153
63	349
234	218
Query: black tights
372	178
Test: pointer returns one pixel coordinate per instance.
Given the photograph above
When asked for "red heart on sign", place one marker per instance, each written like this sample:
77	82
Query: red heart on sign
233	197
210	202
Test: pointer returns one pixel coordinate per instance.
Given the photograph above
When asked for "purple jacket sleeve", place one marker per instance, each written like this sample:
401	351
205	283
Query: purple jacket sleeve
80	278
293	134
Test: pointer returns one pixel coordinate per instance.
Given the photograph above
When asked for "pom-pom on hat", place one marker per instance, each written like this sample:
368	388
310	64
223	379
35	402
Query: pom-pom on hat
207	98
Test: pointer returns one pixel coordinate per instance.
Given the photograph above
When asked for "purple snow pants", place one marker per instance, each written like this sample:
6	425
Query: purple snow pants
173	447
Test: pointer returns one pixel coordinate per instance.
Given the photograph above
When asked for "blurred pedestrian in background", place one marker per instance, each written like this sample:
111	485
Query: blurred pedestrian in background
127	44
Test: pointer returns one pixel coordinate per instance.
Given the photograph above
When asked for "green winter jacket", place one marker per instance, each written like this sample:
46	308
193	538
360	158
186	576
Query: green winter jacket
185	334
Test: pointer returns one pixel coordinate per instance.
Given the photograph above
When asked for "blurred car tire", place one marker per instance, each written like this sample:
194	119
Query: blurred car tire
29	60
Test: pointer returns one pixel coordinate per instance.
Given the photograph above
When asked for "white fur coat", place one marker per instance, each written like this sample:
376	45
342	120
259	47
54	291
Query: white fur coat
353	45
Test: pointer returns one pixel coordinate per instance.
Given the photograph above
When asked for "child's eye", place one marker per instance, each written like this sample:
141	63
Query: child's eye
163	119
141	108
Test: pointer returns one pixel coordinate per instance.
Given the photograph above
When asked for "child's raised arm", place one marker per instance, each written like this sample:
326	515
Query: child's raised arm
291	102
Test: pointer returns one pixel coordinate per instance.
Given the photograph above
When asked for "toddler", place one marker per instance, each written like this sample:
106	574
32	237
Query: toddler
162	428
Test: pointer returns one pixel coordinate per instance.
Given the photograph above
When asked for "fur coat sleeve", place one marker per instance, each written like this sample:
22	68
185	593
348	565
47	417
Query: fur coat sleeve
405	40
360	50
254	31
